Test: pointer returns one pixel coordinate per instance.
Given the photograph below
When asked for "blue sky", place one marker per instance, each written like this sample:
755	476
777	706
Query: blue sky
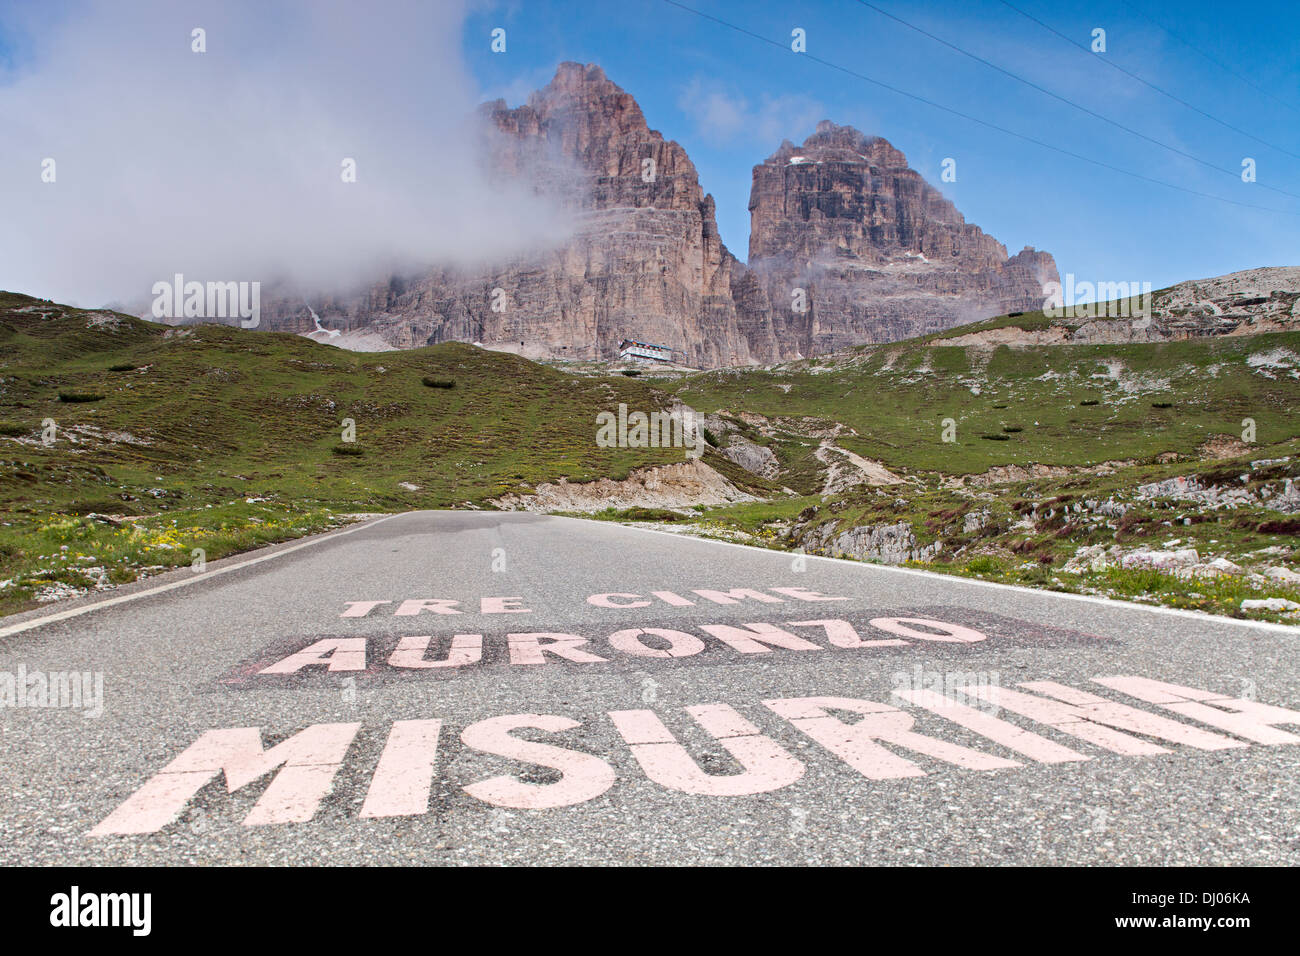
227	163
730	99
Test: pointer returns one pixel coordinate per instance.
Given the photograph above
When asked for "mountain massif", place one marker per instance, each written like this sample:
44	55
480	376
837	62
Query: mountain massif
848	246
880	253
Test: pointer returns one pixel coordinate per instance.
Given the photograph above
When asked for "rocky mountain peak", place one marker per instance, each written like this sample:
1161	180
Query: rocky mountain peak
878	253
570	76
583	136
833	143
576	88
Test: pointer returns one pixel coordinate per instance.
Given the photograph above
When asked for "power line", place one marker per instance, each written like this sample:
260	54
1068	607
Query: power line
1201	53
1115	66
974	119
1234	173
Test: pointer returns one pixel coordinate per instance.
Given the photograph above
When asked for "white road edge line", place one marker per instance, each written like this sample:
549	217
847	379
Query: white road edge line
1086	598
205	576
1291	629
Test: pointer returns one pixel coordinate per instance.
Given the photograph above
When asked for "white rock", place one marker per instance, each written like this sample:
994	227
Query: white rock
1163	560
1219	567
1224	566
1089	558
1270	604
1285	575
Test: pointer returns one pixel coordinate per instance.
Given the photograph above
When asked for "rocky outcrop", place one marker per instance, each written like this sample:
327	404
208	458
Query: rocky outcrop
1283	497
1251	302
1239	303
1010	474
678	485
887	543
845	470
731	444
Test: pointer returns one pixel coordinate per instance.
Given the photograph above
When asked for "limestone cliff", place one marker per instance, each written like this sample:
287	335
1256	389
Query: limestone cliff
853	246
878	253
645	260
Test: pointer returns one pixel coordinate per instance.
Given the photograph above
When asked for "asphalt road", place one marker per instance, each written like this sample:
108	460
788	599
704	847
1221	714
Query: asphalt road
571	742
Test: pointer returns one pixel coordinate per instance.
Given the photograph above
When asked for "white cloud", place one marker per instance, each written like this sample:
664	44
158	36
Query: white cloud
225	165
723	116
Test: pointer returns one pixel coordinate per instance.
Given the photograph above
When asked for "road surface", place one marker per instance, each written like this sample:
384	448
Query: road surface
441	687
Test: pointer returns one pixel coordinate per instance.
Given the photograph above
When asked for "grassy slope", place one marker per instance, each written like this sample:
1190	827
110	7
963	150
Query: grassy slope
230	415
896	397
243	441
1143	401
